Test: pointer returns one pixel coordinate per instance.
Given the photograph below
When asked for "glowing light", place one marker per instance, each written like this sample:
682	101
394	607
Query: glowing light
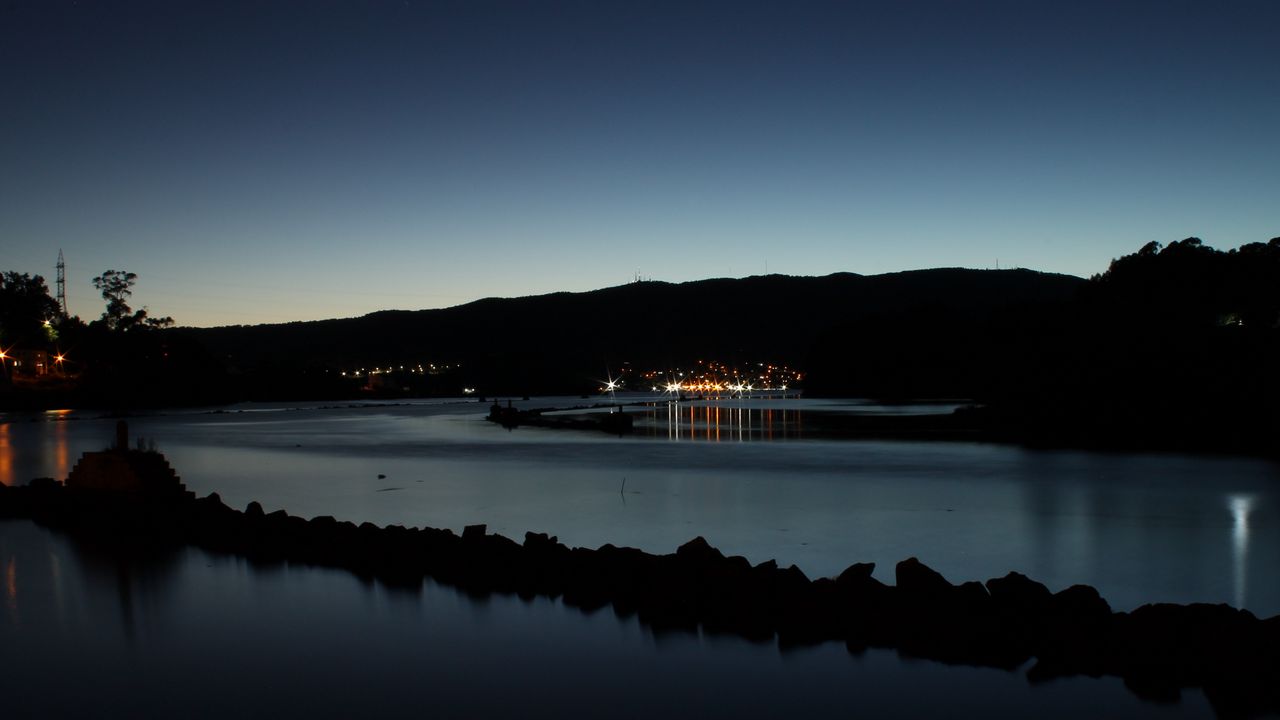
1240	507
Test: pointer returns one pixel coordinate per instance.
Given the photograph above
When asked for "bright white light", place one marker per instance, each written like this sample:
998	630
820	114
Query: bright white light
1240	507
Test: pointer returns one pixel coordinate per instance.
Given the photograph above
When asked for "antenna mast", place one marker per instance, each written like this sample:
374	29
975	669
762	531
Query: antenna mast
62	284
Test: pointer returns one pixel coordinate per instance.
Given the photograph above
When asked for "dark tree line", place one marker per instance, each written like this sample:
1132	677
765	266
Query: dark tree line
1172	346
121	360
26	310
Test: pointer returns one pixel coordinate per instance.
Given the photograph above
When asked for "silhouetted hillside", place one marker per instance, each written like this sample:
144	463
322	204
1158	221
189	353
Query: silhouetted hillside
1169	348
565	341
1172	347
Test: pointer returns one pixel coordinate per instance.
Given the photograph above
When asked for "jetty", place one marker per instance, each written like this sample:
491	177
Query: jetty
1008	622
615	421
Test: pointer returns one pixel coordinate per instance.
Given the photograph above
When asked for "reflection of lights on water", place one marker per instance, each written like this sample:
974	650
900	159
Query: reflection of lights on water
6	456
1240	506
11	589
719	422
61	452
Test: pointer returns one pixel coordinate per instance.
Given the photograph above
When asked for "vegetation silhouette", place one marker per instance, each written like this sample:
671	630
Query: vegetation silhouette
26	310
1171	347
116	287
120	362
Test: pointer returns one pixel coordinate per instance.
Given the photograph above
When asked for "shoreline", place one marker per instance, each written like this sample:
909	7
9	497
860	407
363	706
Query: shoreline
1002	623
969	423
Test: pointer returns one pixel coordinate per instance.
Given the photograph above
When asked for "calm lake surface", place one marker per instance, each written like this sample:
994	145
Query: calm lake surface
752	476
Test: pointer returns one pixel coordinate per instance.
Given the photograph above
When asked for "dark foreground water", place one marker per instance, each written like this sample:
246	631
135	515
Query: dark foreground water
90	629
747	476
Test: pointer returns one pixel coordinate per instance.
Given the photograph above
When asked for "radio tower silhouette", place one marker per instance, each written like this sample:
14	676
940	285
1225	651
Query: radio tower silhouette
62	284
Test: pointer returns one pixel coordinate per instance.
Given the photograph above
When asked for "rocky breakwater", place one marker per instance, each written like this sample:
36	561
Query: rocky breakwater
1005	622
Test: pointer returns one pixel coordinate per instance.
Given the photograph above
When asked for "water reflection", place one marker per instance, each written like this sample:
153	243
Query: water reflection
721	422
61	448
6	455
51	452
309	641
1241	506
1140	528
11	589
139	574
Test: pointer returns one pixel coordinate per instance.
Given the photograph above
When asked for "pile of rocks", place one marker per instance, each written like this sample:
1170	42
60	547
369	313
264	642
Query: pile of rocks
1005	622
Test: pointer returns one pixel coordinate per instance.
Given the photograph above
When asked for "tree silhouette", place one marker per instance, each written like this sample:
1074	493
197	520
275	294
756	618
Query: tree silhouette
25	308
116	287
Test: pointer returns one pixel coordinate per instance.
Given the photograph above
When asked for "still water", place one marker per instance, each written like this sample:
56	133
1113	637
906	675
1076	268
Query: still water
188	633
747	475
87	630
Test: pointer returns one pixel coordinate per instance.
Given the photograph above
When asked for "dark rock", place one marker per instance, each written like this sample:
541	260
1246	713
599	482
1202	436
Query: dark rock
793	578
539	540
856	574
917	578
1019	595
1079	603
699	552
972	598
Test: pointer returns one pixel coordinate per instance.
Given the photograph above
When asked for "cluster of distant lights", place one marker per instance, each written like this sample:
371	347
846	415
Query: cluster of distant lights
419	369
704	380
675	388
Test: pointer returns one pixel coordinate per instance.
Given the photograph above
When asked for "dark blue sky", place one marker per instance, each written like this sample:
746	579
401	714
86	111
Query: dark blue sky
268	161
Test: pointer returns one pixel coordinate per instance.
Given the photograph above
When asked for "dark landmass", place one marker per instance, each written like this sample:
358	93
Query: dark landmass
1171	348
565	342
615	422
1003	623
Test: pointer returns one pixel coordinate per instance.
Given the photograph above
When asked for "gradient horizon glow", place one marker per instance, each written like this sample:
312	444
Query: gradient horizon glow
269	161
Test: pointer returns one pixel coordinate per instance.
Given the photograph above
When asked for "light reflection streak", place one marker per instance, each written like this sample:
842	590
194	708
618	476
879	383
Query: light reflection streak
61	451
1240	506
727	423
11	590
6	456
59	601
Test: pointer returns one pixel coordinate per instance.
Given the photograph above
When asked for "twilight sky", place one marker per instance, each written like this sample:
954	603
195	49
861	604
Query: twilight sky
271	161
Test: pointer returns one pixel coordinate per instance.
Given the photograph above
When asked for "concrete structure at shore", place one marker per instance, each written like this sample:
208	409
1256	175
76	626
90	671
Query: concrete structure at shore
125	470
